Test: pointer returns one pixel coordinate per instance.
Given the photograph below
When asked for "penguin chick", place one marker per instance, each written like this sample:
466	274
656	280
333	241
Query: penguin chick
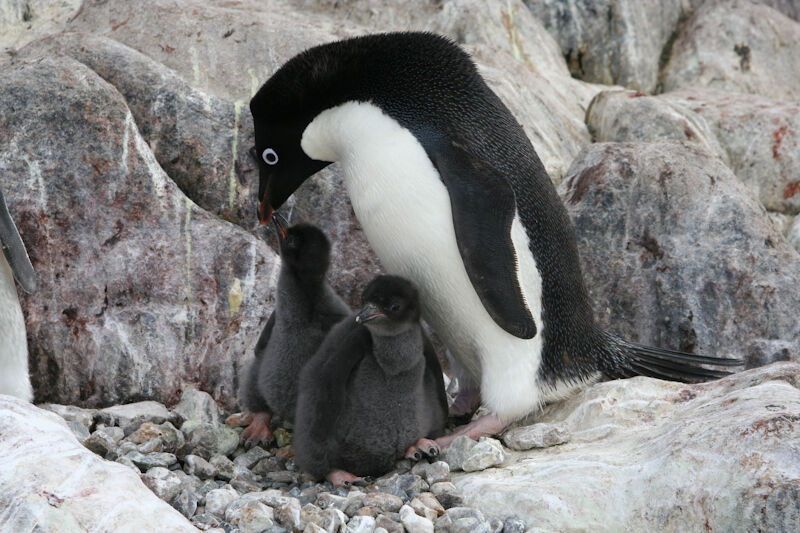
373	391
14	264
306	309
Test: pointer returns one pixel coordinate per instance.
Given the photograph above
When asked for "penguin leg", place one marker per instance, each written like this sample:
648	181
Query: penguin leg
258	431
486	425
343	478
423	448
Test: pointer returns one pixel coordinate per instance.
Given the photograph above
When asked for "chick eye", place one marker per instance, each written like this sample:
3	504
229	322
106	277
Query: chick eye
394	307
269	156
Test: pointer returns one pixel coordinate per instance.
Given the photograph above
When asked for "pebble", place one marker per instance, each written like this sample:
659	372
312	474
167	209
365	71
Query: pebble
462	520
455	454
70	413
206	439
205	521
429	500
447	494
485	454
536	436
282	437
432	472
218	500
104	440
387	503
163	482
146	461
514	524
391	526
252	456
186	502
423	510
405	486
413	522
223	466
79	430
194	465
124	415
197	406
360	524
252	516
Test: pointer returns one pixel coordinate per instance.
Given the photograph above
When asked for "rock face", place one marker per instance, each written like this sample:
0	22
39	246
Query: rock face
141	291
757	137
641	212
49	482
736	45
650	455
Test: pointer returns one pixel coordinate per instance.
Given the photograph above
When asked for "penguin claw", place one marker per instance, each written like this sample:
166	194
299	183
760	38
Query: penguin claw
258	432
423	448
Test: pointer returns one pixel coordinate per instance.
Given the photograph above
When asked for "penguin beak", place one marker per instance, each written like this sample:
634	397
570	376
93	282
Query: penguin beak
369	312
280	224
264	210
14	250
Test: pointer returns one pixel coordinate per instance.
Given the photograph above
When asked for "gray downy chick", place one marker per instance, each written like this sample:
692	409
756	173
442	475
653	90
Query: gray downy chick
306	309
373	392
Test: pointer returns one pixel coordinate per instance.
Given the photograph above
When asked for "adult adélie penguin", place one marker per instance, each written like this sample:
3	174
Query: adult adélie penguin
14	264
451	195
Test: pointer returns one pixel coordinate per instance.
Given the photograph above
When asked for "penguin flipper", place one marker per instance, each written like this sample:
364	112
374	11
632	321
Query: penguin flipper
263	339
321	396
484	206
14	250
434	379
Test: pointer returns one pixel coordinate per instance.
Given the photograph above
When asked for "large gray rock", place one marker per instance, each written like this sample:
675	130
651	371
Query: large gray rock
653	455
50	483
22	21
141	291
757	137
615	42
739	46
678	253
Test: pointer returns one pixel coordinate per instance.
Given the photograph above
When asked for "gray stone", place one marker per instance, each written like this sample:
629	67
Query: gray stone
288	514
72	413
245	484
496	525
360	524
391	526
24	20
218	500
169	438
208	440
164	483
414	523
536	436
447	494
146	461
514	524
199	407
737	46
614	42
423	510
79	430
432	472
462	520
660	431
224	467
104	440
455	454
387	503
206	521
326	500
431	502
186	502
640	212
194	465
251	457
486	454
122	415
793	233
249	516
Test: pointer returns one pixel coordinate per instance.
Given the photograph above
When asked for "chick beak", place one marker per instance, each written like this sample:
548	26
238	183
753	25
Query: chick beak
369	312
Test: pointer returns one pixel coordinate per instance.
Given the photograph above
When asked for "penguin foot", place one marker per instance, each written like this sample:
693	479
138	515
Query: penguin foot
486	425
258	432
343	478
424	448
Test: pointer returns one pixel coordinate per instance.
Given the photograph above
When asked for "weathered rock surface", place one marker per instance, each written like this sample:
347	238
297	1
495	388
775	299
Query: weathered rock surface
22	21
739	46
141	291
719	456
678	253
758	138
614	42
49	482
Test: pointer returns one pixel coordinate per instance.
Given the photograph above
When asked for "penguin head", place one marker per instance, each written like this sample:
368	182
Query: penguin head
390	305
399	72
304	248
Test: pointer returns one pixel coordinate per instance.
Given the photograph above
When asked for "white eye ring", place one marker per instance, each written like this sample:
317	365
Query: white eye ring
269	156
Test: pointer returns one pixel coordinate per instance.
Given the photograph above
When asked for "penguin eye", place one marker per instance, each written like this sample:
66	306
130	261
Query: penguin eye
269	156
395	307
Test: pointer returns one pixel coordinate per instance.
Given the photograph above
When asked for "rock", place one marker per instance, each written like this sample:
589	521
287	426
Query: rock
614	42
736	46
536	436
223	466
126	325
413	522
164	483
360	524
198	407
793	234
218	500
186	502
70	413
455	454
423	510
249	517
640	211
252	456
194	465
462	520
386	503
447	494
514	524
123	415
24	20
146	461
206	522
169	438
389	525
282	437
208	440
755	136
79	430
405	486
486	454
735	435
288	514
103	440
430	501
432	472
49	482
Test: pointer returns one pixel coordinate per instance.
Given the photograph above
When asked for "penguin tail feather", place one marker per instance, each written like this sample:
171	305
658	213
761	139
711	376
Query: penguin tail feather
627	359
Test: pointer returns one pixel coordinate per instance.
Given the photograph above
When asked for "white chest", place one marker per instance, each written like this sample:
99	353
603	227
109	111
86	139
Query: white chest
405	212
14	378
